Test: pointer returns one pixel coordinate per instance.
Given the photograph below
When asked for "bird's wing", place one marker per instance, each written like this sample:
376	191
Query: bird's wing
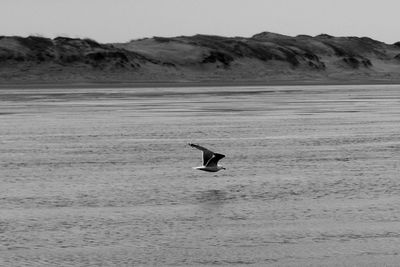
207	154
214	160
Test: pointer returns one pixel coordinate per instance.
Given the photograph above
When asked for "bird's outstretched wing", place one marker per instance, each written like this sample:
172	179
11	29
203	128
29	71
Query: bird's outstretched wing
214	160
207	154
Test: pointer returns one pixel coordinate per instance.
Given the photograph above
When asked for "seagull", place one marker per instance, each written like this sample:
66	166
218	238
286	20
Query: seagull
210	160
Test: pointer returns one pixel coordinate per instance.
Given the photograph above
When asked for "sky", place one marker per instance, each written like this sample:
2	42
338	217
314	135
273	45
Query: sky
123	20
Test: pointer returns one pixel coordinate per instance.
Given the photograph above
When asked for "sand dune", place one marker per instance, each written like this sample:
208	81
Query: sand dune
265	57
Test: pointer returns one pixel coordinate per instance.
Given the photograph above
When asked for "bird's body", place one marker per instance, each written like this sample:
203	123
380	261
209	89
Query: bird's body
209	169
210	160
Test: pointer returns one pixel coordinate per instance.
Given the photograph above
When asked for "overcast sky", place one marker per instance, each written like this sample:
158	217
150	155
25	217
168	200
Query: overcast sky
123	20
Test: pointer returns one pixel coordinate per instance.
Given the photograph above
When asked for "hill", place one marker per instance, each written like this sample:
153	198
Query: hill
264	57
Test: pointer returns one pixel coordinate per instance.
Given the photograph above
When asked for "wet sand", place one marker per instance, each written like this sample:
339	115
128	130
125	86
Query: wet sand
103	177
178	84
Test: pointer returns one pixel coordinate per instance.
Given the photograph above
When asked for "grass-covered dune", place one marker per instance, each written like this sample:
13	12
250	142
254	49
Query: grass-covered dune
265	57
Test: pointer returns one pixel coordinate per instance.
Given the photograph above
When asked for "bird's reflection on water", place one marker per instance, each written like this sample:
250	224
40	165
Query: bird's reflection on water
214	196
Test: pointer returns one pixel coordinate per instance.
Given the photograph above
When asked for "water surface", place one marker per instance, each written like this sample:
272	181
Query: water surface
103	177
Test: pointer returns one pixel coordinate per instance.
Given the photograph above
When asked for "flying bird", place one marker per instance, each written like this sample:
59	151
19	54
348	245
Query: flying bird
210	159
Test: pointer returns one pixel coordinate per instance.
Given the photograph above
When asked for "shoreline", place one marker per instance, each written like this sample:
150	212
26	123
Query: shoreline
168	84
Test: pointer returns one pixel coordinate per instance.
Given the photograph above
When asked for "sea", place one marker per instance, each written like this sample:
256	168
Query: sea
104	177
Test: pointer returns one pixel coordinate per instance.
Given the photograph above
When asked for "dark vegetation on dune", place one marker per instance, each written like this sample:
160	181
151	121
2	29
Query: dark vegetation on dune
68	51
263	56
